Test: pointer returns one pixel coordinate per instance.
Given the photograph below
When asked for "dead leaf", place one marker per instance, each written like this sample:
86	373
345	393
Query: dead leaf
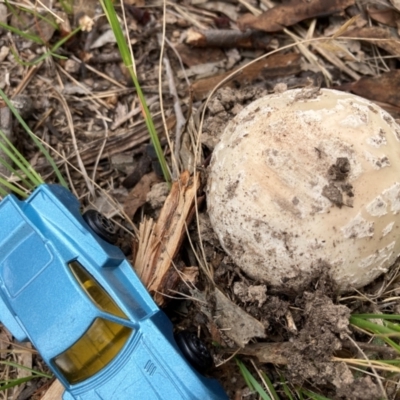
396	4
194	56
137	196
236	323
34	25
273	66
291	12
391	45
384	16
384	88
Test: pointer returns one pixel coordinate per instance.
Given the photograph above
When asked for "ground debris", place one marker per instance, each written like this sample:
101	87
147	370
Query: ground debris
235	323
326	324
291	12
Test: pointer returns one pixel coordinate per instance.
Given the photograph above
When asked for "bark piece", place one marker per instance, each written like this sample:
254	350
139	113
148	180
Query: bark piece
228	38
160	242
291	12
55	391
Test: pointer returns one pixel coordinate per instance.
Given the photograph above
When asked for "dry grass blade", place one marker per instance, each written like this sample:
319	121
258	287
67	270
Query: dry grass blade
160	242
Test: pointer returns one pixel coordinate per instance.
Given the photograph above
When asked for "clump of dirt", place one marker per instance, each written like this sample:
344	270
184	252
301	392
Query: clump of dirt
325	325
339	192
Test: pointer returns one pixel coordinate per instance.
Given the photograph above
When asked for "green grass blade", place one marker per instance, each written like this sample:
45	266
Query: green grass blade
12	187
48	53
29	36
16	382
109	10
14	172
44	18
270	386
67	6
33	371
395	317
35	139
3	193
313	395
286	388
8	149
392	326
380	330
248	377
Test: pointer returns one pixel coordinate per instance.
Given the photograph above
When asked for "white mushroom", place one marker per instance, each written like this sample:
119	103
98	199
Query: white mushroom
300	183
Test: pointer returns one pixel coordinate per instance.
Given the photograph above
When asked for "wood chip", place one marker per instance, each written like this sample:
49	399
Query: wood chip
55	391
160	242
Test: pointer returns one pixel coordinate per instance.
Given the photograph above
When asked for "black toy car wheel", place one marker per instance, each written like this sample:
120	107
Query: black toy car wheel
101	225
194	350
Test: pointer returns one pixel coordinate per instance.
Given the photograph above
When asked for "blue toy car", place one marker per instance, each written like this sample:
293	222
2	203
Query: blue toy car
72	293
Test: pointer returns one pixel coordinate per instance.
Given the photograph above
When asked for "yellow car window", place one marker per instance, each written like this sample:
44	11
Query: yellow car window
93	351
93	289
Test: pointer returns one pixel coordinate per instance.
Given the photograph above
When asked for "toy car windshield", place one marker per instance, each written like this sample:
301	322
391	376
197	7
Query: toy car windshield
72	293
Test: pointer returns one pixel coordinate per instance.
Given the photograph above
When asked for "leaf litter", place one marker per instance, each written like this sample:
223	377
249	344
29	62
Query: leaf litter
318	43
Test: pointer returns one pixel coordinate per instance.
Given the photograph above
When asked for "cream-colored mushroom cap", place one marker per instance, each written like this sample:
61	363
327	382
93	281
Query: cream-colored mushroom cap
303	181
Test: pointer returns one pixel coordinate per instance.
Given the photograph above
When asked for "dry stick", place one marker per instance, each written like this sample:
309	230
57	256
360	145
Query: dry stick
88	91
370	366
70	180
131	114
186	16
180	119
227	38
100	153
328	56
175	166
26	79
101	74
178	56
74	142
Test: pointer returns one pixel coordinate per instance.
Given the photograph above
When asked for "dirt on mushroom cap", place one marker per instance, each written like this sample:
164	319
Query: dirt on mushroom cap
279	202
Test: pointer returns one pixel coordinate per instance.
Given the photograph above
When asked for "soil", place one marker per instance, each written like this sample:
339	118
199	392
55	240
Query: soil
85	108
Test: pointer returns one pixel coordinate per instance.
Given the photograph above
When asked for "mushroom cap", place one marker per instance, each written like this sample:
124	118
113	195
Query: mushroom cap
304	181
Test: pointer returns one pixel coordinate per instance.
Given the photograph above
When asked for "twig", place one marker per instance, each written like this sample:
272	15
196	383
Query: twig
180	119
227	38
131	114
74	141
